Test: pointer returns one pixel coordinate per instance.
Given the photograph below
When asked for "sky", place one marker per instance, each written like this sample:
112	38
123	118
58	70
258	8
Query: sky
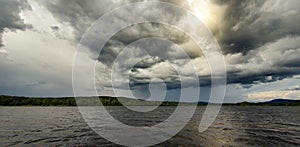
260	42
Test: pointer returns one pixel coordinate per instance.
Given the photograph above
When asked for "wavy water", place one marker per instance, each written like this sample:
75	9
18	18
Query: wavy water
234	126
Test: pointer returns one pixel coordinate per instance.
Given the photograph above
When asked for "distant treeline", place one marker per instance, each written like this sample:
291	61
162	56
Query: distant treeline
112	101
70	101
25	101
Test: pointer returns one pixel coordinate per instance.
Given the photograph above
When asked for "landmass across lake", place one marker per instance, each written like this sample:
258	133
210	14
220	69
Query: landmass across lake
113	101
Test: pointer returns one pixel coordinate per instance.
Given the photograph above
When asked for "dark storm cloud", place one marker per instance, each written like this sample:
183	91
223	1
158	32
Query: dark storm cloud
272	62
9	16
248	27
250	79
82	14
145	30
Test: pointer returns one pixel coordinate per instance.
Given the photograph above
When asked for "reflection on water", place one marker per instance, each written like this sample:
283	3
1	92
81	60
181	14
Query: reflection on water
235	126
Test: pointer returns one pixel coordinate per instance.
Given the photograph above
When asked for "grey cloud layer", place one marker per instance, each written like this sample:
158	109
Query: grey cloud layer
81	14
250	24
260	39
247	30
9	16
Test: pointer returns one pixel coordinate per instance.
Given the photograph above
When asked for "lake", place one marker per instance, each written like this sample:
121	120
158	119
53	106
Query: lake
234	126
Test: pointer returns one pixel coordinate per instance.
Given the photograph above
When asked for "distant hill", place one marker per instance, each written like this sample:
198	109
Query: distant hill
275	102
282	102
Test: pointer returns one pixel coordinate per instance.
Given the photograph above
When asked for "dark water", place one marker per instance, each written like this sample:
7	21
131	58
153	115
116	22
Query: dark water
234	126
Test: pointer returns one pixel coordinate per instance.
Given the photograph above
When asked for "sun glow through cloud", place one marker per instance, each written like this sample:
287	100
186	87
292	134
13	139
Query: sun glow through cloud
200	8
209	13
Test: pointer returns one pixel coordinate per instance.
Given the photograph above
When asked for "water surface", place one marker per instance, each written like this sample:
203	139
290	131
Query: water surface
234	126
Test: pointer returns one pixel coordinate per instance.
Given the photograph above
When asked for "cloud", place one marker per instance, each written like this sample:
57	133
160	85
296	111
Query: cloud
240	92
39	83
55	28
3	51
269	95
37	62
259	39
82	14
249	25
273	61
148	62
165	50
293	88
10	18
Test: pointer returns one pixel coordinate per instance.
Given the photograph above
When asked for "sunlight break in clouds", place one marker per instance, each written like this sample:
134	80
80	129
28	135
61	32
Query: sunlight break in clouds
269	95
209	13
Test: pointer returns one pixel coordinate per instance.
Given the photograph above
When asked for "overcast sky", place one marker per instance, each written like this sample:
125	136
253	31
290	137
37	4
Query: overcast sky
260	41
